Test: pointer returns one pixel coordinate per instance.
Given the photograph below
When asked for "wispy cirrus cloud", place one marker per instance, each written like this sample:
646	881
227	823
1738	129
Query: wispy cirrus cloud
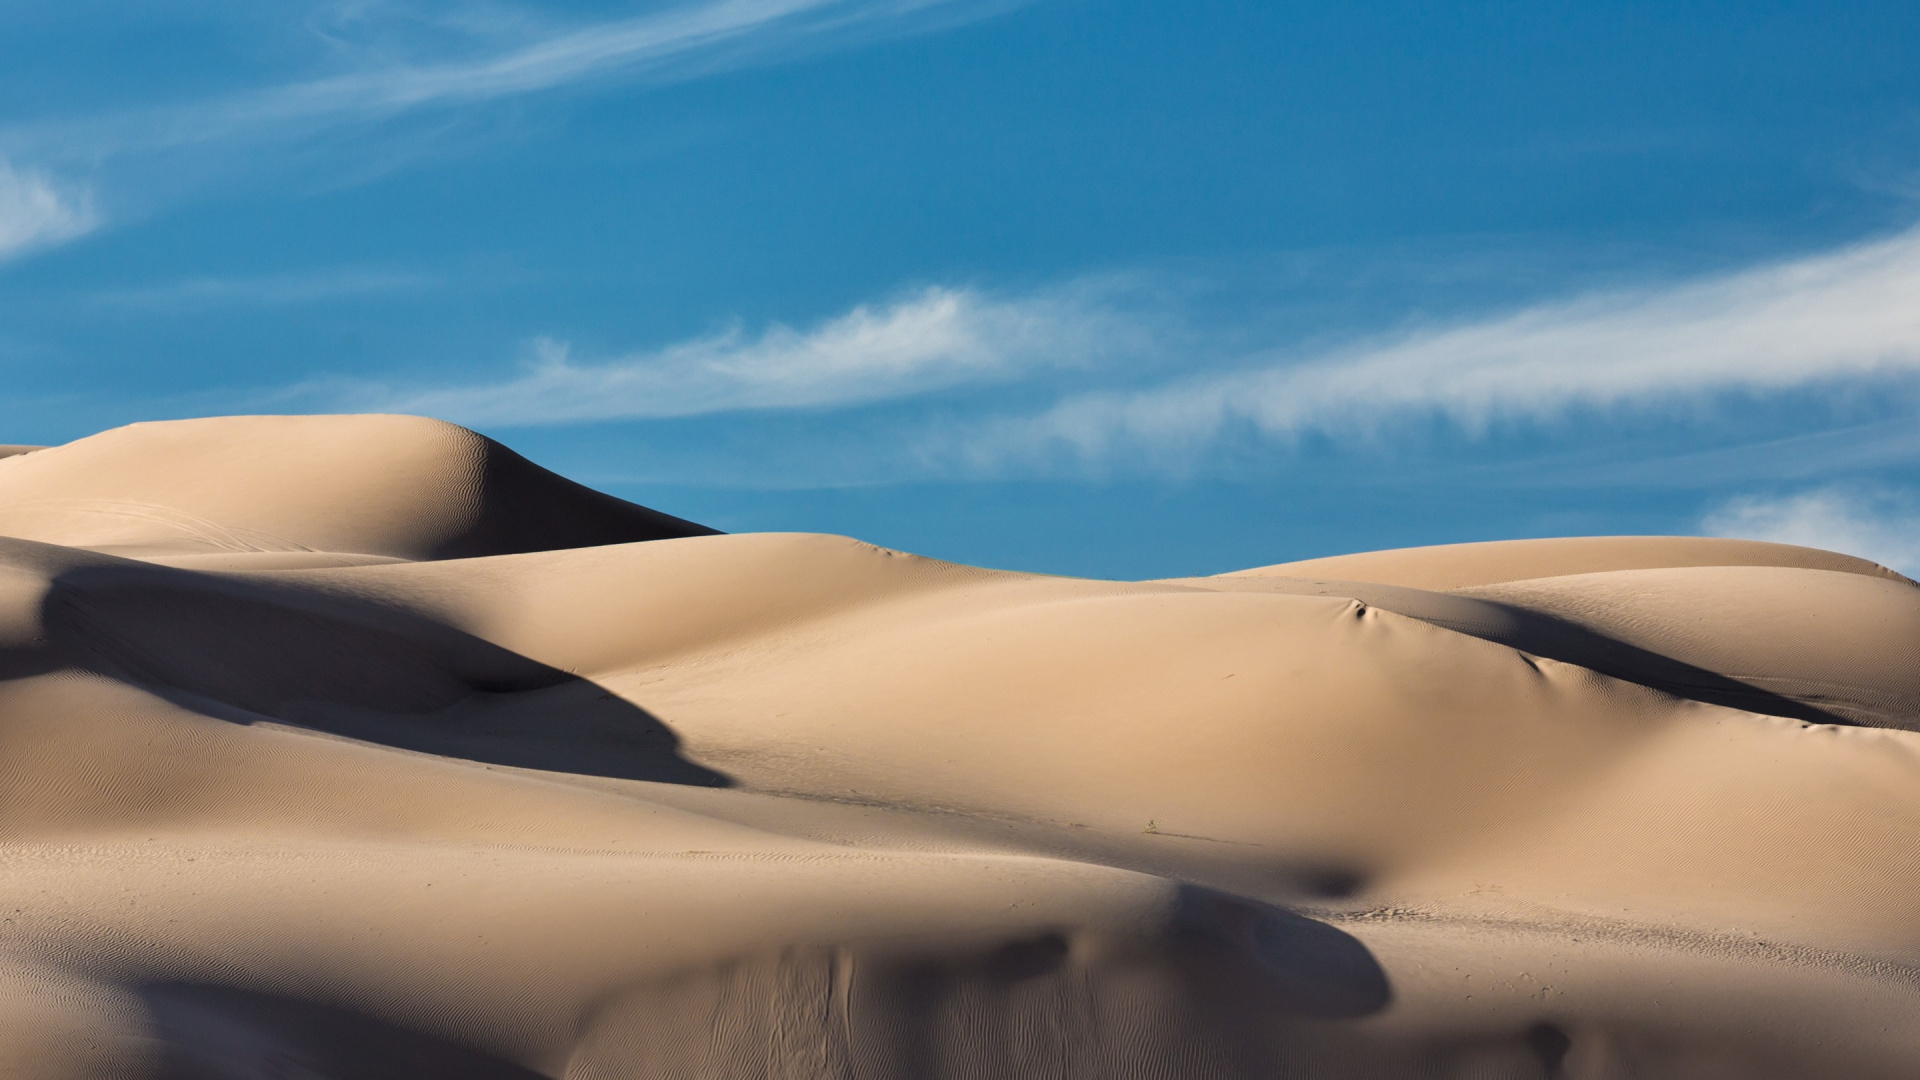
36	211
1850	313
1879	525
529	56
1138	382
935	339
464	60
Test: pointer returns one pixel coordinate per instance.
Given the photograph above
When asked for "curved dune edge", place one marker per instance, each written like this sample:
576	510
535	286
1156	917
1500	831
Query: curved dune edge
1459	566
384	486
414	783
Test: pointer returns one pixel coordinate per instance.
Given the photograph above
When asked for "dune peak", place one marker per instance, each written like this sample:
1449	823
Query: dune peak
395	486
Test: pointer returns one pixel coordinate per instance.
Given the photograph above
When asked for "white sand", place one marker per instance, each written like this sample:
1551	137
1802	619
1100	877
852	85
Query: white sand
360	747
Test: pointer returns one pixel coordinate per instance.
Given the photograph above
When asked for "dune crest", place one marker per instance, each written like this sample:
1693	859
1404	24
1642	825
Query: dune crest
388	486
362	747
1460	566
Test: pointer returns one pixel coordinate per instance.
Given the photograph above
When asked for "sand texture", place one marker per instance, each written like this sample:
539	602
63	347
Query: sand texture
362	748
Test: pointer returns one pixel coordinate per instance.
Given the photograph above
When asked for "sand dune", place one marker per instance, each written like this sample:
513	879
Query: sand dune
1460	566
361	747
284	487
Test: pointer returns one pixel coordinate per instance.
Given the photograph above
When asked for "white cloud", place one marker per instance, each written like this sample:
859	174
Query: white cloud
36	212
1880	527
1834	319
539	65
938	338
1852	312
536	57
391	61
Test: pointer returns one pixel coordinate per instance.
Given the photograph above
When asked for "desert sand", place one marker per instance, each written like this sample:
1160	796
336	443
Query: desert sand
361	747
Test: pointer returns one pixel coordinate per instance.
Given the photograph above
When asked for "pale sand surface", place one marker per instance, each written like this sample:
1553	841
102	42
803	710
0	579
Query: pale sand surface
360	747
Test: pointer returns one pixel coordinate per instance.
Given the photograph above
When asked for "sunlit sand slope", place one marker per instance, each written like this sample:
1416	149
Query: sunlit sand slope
393	486
358	747
1459	566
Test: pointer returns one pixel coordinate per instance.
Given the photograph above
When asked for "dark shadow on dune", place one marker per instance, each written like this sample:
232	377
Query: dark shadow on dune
27	660
246	650
1550	1045
221	1033
1323	880
1316	969
1554	638
1227	987
532	509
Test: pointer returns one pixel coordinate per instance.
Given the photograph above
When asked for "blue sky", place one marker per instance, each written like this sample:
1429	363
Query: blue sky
1114	288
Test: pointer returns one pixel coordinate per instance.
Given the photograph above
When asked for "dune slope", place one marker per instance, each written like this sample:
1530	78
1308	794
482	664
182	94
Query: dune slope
359	747
292	486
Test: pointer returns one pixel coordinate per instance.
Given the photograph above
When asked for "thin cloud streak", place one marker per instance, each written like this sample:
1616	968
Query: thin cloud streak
541	65
936	339
36	212
629	47
210	137
1850	313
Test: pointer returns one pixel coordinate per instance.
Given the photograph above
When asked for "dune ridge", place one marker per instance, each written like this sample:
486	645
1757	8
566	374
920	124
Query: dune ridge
1459	566
386	486
363	747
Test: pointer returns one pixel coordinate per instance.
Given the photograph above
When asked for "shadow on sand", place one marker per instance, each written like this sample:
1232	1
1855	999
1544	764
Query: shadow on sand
247	650
219	1032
